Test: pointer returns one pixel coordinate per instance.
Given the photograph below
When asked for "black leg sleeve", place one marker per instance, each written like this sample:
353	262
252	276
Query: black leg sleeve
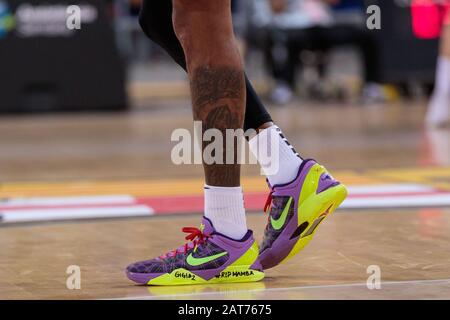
155	20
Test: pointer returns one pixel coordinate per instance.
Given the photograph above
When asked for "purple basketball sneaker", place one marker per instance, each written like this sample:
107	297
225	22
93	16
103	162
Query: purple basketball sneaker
296	210
209	257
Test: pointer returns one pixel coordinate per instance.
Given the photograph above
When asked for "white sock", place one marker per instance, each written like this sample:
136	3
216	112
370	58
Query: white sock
225	208
271	142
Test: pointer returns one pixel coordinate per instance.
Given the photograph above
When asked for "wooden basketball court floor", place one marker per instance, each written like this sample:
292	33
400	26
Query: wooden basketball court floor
56	168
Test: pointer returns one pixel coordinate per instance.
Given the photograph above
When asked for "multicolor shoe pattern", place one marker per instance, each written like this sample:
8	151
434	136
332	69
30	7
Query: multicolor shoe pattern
209	257
296	210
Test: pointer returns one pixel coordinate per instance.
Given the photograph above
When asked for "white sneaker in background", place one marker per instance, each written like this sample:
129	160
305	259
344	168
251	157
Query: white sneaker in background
438	111
373	93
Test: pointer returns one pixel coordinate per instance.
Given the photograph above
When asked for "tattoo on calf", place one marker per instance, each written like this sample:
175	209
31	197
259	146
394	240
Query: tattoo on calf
221	117
209	85
218	96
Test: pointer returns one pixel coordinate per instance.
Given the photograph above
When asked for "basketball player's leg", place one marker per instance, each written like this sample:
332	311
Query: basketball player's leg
223	249
302	195
439	108
292	168
216	74
155	20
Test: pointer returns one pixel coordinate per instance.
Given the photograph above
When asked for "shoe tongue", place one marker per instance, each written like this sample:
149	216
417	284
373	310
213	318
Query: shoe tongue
207	226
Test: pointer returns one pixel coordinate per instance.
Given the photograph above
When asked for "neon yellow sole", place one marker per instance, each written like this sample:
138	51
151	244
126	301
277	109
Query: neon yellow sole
314	210
238	271
232	274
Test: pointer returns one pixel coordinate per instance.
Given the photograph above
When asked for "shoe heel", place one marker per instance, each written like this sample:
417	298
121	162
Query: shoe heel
313	211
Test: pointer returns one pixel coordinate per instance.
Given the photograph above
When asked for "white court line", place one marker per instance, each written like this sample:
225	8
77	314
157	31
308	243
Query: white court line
64	201
408	282
117	206
406	201
135	210
389	188
71	214
124	198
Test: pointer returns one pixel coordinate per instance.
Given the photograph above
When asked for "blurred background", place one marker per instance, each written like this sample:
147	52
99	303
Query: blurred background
321	51
101	102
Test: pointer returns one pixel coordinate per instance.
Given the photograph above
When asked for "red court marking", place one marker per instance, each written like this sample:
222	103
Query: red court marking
179	204
253	201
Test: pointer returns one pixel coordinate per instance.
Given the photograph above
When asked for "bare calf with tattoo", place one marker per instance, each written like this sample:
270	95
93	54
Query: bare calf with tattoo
218	101
216	75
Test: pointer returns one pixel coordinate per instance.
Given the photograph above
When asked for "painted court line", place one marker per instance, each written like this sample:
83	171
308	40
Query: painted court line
388	188
65	201
406	201
331	286
115	206
72	214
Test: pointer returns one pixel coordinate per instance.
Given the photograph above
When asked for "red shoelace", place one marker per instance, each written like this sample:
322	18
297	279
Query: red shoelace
268	202
195	236
267	207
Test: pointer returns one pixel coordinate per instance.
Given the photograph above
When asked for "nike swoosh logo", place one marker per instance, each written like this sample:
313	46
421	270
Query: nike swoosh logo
192	261
279	223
